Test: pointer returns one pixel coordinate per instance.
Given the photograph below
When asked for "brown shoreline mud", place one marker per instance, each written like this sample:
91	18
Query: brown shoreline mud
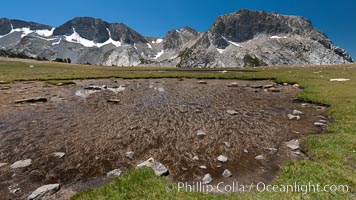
95	122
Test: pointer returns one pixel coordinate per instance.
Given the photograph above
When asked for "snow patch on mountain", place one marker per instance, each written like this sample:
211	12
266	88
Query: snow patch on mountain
159	54
45	33
278	37
221	51
76	38
56	43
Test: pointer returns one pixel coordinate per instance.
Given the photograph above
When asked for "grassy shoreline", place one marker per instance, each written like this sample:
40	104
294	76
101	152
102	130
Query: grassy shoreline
332	156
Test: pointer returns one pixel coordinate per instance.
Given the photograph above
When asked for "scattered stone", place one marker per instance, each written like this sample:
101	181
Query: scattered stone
222	158
339	79
59	154
227	144
21	164
297	153
245	151
297	112
260	157
93	88
293	144
114	173
196	158
201	133
13	189
115	101
180	79
5	88
296	86
323	121
226	173
3	164
202	82
158	168
285	84
293	117
44	191
129	154
234	84
184	169
203	167
305	105
207	179
146	163
319	124
271	150
268	86
32	100
232	112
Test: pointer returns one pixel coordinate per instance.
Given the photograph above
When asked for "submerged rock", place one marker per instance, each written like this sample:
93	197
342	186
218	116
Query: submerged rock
207	179
201	133
293	117
32	100
232	112
222	158
297	112
260	157
226	173
21	164
114	173
59	154
158	168
319	124
44	191
271	150
293	144
129	154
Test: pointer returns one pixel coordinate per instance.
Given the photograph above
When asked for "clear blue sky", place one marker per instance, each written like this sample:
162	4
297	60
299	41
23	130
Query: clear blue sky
155	17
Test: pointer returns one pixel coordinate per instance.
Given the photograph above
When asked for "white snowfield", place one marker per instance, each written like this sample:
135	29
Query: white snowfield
159	40
26	31
76	38
278	37
159	54
231	42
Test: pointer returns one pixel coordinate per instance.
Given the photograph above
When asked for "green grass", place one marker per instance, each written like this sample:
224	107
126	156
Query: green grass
332	156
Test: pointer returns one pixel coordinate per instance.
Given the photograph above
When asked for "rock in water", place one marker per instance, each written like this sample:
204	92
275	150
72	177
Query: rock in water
319	124
114	173
232	112
202	82
114	101
293	144
59	154
222	158
21	164
234	84
207	179
201	133
129	155
44	191
297	112
3	164
158	168
260	157
293	117
226	173
32	100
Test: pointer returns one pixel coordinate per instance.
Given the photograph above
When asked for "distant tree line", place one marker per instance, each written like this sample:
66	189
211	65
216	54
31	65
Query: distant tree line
63	60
